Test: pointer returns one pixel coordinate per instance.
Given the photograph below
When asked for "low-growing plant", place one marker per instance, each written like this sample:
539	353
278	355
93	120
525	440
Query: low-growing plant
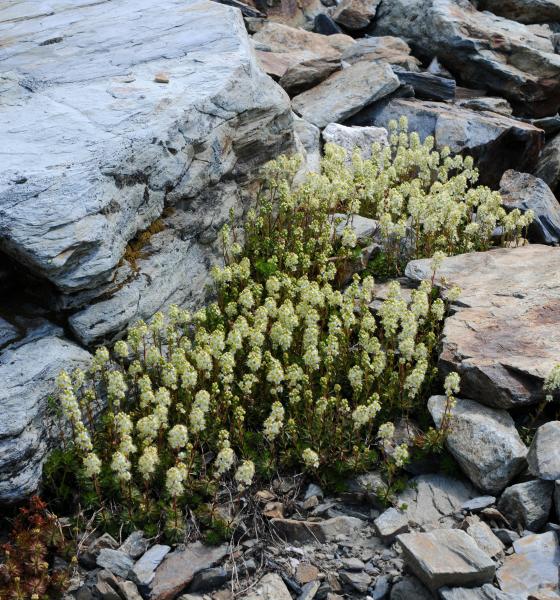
27	569
290	367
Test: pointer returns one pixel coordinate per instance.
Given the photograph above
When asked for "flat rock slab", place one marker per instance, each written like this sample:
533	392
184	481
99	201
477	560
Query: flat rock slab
293	530
504	336
534	565
28	373
484	441
113	110
548	166
524	11
497	142
345	93
431	498
486	592
179	568
446	557
488	52
269	587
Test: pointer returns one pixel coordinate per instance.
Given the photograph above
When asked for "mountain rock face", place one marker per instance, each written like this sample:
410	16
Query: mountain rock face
130	130
486	51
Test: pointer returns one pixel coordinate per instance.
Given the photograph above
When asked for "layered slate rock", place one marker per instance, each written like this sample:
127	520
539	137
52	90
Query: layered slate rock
488	52
526	192
446	557
527	505
534	566
27	375
345	93
384	48
524	11
548	165
504	335
497	142
484	441
114	111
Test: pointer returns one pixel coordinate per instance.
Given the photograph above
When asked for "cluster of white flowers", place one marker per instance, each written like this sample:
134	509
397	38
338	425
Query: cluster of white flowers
552	383
310	458
244	474
274	422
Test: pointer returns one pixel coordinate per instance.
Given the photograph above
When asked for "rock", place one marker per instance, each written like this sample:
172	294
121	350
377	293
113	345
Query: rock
386	48
309	137
533	566
479	503
487	52
391	523
8	333
486	592
364	488
324	25
278	46
270	587
527	504
497	105
495	141
179	568
498	453
427	86
526	192
524	11
345	92
446	557
128	590
28	372
548	165
135	545
557	498
316	531
430	498
356	14
209	579
274	510
506	536
89	556
306	572
144	569
382	587
115	561
313	491
358	581
100	149
483	536
309	73
351	138
408	588
500	365
309	590
544	453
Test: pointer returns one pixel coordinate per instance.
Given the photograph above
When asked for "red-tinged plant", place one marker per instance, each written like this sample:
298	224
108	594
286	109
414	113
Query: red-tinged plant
26	561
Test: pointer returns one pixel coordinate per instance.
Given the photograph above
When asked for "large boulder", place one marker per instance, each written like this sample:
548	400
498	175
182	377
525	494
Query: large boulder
527	505
524	11
503	337
526	192
486	51
497	142
544	453
28	371
483	440
116	115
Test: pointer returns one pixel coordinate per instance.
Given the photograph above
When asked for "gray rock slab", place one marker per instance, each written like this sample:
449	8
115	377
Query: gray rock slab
145	567
391	523
28	373
548	165
409	587
351	138
484	536
355	14
269	587
489	137
497	105
389	49
430	498
486	592
483	440
463	38
526	192
527	504
293	530
117	562
534	565
446	557
500	365
524	11
477	504
544	452
345	93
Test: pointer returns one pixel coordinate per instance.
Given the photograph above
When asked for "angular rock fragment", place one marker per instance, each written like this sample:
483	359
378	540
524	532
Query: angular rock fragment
270	587
391	523
483	536
409	587
495	141
500	365
486	592
144	569
544	453
486	51
316	531
345	93
302	76
355	14
389	49
528	504
548	165
117	562
446	557
427	86
534	565
524	11
526	192
497	105
483	440
351	138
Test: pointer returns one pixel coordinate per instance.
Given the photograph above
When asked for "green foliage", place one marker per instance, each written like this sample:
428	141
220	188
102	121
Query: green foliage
289	368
